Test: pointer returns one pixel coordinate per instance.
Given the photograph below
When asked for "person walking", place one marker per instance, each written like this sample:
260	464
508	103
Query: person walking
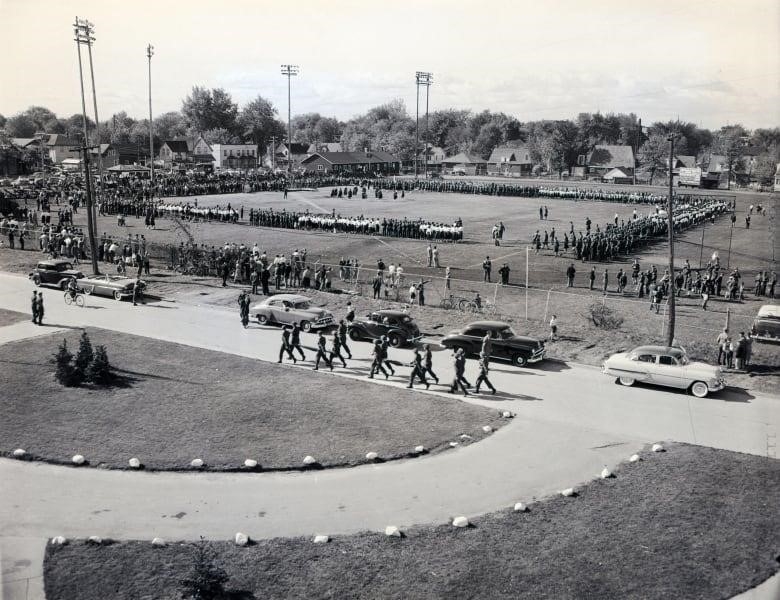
40	310
570	272
592	278
484	366
553	328
336	350
722	341
342	332
417	371
428	362
243	308
385	344
376	364
487	266
295	340
322	353
286	346
460	367
138	296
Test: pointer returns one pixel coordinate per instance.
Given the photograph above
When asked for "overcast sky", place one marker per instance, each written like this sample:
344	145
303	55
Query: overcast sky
708	61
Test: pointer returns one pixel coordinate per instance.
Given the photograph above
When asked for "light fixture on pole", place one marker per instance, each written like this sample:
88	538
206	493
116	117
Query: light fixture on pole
289	71
426	79
149	54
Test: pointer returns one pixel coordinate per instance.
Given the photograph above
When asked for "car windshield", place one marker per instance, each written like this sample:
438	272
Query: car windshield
64	267
303	305
506	333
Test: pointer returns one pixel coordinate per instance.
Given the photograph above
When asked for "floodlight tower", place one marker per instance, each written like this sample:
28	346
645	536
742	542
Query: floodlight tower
426	79
289	71
149	54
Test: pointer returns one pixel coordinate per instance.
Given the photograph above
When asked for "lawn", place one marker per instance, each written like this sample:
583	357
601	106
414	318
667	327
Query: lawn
9	317
692	522
175	403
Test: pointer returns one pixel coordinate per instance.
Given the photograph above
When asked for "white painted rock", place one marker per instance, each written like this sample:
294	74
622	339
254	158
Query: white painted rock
321	539
158	542
634	458
419	449
507	415
134	463
392	531
19	453
58	540
196	463
454	444
567	492
78	459
250	463
487	429
658	448
95	539
309	460
606	473
241	539
520	507
466	436
372	456
460	522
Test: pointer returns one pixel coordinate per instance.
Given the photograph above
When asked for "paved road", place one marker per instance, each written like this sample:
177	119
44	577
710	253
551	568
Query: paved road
570	421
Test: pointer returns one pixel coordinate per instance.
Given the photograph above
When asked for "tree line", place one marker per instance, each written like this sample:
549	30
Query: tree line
554	145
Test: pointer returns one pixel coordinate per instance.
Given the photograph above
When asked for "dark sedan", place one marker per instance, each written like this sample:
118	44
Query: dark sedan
56	272
399	327
505	344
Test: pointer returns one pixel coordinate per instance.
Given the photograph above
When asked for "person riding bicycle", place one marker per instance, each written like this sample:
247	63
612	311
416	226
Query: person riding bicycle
72	288
478	301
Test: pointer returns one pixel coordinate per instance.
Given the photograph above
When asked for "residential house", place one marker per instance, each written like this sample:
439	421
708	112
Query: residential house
510	162
186	153
108	155
327	163
62	148
280	155
324	147
604	158
234	156
435	156
464	164
715	171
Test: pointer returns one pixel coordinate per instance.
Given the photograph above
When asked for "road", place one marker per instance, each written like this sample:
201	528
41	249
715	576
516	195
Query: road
571	420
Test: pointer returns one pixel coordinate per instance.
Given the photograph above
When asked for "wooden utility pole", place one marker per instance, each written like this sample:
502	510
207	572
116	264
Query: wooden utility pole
149	54
670	217
289	71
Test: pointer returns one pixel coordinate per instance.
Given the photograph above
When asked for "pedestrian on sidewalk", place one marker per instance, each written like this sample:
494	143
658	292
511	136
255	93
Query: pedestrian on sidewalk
322	353
553	328
376	365
295	340
34	306
342	331
484	363
428	363
40	308
336	350
286	345
417	371
459	361
243	307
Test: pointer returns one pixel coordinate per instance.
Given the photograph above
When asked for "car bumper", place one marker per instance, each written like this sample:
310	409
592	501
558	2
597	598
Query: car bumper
537	356
323	324
719	385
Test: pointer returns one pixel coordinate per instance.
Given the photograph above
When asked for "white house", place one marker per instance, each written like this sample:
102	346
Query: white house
234	156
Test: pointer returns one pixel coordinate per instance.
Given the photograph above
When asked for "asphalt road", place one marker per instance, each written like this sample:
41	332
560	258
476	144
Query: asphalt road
571	420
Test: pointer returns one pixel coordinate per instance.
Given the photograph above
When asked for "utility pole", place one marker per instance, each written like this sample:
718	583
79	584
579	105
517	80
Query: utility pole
289	71
83	38
273	153
426	79
417	124
149	54
89	30
670	217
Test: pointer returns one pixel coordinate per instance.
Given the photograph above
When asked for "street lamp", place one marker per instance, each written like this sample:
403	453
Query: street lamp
149	54
426	79
289	71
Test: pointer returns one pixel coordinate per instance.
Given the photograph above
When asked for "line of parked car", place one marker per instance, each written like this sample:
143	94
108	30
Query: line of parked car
58	272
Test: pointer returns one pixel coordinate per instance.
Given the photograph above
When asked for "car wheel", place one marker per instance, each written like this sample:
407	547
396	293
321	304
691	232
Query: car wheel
37	281
396	341
305	326
262	319
519	360
354	335
117	295
626	381
700	389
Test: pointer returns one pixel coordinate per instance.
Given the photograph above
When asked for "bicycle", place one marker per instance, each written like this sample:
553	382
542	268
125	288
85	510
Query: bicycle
76	297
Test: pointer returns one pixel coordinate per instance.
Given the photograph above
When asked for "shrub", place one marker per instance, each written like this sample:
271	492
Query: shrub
99	369
206	580
604	317
64	372
83	358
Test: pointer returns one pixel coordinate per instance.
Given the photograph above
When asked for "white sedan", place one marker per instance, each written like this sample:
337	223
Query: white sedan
662	365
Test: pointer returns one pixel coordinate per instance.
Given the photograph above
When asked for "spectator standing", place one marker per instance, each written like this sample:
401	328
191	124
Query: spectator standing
722	342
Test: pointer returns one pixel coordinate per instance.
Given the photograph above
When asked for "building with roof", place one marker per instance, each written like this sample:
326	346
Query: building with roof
108	155
24	143
603	158
351	163
279	155
61	148
324	147
464	164
617	175
186	153
510	162
234	156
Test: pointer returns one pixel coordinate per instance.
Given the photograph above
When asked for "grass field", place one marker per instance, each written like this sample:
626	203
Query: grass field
692	523
175	403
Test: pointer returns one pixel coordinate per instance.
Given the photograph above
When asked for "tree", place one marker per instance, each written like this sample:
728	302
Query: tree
729	142
206	580
257	122
20	125
447	128
207	109
764	169
64	368
2	121
84	357
489	137
170	125
220	135
99	369
654	153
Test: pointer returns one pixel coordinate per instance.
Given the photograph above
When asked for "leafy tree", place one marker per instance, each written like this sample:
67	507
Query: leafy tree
206	580
84	357
169	126
654	153
99	369
764	168
20	125
768	140
447	129
2	121
258	122
207	109
64	372
729	142
41	117
489	137
313	127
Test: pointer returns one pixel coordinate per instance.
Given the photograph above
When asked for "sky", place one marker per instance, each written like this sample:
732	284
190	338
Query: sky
711	62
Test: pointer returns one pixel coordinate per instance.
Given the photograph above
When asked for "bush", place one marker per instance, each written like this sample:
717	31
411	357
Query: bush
84	355
64	372
99	370
206	580
604	317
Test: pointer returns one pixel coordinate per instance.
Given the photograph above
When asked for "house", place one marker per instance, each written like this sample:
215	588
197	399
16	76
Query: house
108	155
604	158
174	152
510	162
278	155
62	148
464	164
326	163
434	155
25	143
185	153
714	171
234	156
324	147
131	154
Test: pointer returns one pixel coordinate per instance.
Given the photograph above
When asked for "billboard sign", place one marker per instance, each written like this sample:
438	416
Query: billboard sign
690	176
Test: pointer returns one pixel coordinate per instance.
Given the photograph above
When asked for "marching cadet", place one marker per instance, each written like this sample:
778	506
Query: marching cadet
295	340
385	360
417	371
350	313
322	353
243	308
460	368
428	363
286	346
376	365
35	307
342	333
336	351
483	373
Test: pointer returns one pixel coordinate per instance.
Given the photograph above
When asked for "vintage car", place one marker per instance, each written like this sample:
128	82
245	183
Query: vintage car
766	325
505	343
56	272
666	366
112	286
398	326
286	309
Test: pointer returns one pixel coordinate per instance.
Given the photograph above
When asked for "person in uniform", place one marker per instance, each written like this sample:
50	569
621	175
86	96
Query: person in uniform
417	371
243	307
484	366
322	353
428	363
336	350
385	345
460	367
295	340
138	295
34	306
286	345
342	333
376	365
40	308
350	313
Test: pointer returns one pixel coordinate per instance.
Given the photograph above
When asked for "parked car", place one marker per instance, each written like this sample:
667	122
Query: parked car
398	326
111	286
766	325
666	366
56	272
286	309
506	344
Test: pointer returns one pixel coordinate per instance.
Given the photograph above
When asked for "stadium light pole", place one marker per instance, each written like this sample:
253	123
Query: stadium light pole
149	54
82	37
670	218
426	79
289	71
89	31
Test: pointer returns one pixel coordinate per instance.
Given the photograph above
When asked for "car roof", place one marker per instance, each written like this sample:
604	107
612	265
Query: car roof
54	261
660	350
289	297
769	310
488	325
391	313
